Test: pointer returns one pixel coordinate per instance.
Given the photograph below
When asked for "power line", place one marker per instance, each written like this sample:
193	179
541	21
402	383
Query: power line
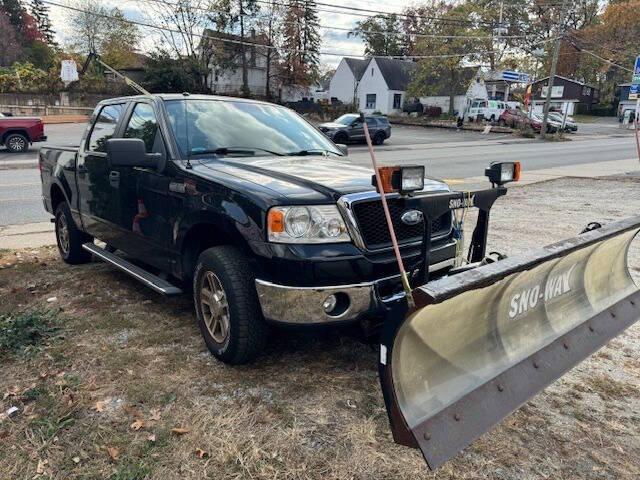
253	44
350	30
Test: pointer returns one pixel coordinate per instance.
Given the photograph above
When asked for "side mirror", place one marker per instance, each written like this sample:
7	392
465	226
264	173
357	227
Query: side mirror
130	152
343	148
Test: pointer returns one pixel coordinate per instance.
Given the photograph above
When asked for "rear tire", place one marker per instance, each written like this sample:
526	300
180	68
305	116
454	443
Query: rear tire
227	306
502	123
69	238
16	143
378	138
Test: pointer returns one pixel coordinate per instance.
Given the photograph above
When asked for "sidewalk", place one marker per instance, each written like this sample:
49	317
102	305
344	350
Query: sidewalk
29	235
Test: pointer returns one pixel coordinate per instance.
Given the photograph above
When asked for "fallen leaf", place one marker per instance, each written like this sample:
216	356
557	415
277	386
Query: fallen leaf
137	425
180	430
114	453
99	406
201	453
155	414
151	438
41	466
76	459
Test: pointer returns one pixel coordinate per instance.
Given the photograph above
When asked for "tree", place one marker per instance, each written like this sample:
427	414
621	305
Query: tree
383	35
40	13
105	32
452	44
11	49
301	43
164	73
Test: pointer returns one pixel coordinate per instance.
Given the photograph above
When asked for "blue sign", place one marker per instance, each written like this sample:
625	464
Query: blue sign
636	71
515	76
634	91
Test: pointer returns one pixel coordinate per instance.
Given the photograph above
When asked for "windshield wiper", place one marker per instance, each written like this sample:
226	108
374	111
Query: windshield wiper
310	151
232	151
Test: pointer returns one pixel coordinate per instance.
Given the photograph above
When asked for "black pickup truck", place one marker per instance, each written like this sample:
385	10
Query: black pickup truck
244	203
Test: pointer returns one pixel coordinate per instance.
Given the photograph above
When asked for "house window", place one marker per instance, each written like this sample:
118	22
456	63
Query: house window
371	100
397	101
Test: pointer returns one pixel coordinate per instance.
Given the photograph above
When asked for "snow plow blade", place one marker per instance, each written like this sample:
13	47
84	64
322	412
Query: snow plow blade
480	343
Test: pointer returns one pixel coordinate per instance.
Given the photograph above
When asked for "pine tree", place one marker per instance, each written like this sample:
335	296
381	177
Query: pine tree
40	13
301	43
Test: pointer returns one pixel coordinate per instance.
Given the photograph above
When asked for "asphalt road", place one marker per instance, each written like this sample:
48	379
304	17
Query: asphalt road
445	153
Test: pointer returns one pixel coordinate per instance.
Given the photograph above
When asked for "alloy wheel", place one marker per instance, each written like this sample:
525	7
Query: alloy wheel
215	307
63	234
16	144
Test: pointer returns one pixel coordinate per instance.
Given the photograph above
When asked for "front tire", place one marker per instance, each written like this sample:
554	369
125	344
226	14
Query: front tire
69	238
227	306
16	143
341	138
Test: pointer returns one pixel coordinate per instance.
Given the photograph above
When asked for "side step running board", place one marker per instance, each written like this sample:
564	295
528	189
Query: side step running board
150	280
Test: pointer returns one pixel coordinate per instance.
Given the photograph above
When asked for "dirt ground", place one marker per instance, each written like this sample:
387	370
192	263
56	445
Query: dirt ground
115	381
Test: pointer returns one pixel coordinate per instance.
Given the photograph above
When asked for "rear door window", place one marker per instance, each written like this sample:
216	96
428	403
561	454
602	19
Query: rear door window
105	127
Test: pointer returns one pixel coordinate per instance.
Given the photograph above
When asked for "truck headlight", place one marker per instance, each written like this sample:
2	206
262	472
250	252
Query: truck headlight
306	224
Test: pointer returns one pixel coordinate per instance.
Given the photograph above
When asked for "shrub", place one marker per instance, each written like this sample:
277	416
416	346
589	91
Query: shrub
433	112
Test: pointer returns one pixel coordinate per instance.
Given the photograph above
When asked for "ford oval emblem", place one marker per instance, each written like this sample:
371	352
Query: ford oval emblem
411	217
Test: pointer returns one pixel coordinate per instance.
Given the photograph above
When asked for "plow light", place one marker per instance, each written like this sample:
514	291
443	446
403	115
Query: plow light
401	179
500	173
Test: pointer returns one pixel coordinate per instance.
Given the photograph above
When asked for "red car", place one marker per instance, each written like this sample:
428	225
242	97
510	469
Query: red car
17	133
518	119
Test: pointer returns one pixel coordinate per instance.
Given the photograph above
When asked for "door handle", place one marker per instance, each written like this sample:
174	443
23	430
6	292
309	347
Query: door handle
114	179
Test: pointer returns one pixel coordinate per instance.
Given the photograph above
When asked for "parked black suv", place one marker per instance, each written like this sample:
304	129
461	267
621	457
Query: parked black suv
243	202
348	128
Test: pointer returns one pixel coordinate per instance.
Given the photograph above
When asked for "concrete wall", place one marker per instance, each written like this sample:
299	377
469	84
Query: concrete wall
459	102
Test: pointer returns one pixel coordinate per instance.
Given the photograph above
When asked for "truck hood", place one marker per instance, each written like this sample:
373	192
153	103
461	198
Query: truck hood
310	178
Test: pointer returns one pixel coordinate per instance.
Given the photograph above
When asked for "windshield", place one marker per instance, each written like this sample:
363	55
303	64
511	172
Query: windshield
225	127
346	119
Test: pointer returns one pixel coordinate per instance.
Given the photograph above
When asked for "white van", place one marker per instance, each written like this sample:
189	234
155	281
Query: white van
489	109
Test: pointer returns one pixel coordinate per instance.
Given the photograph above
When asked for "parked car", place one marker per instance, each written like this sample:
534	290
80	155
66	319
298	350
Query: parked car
627	111
553	126
241	201
570	124
518	119
487	109
348	128
17	133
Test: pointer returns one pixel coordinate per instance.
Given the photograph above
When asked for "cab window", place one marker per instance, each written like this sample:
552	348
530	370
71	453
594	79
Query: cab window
105	126
144	125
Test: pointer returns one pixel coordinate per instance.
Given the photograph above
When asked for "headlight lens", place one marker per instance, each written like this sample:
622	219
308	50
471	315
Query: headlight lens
306	224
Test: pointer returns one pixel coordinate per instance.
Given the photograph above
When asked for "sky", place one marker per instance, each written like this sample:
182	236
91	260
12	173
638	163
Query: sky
332	40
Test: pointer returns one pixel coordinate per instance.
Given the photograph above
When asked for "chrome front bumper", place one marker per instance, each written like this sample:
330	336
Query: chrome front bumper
304	305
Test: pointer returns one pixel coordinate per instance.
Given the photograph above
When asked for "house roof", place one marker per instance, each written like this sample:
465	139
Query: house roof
397	73
568	80
442	87
357	66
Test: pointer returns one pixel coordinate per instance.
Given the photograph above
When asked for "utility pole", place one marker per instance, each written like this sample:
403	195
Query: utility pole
554	66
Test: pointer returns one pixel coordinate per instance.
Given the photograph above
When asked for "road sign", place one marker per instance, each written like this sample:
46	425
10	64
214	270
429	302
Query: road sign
511	76
636	71
634	91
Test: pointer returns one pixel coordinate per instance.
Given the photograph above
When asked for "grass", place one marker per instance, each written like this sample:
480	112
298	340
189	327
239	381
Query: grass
24	332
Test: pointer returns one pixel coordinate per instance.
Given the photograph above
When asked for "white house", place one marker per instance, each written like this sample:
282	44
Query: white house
344	83
469	85
383	85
